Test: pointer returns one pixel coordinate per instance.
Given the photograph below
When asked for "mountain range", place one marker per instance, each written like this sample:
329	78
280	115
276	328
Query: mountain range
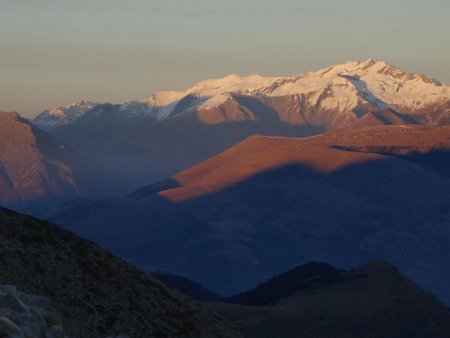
346	88
157	137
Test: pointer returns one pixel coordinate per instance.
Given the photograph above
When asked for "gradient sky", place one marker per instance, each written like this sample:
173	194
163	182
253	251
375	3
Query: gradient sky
53	52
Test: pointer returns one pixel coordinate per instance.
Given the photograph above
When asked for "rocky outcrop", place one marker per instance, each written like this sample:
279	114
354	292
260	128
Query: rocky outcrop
27	316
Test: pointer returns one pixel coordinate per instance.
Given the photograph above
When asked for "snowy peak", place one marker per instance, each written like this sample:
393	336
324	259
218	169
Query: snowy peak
232	84
163	98
379	82
63	115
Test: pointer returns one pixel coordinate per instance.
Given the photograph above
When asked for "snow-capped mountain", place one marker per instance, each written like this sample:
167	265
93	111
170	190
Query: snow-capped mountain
341	87
62	115
377	82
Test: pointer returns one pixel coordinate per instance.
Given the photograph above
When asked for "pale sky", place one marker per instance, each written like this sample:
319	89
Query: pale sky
54	52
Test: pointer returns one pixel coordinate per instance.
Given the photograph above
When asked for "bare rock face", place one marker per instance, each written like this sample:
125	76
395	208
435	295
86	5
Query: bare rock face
27	316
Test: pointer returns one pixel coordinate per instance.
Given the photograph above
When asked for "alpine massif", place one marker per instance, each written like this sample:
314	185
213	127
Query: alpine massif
157	137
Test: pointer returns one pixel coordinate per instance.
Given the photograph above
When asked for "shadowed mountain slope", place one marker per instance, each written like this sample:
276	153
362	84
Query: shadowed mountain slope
382	118
37	168
323	154
97	294
186	286
34	165
374	300
270	203
303	277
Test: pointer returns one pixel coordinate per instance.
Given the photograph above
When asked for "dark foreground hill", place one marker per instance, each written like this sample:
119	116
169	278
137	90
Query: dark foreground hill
96	293
374	300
